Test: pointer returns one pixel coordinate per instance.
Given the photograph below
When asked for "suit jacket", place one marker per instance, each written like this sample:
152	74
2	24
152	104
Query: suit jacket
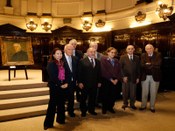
108	71
52	70
130	69
99	55
154	68
78	54
87	74
72	75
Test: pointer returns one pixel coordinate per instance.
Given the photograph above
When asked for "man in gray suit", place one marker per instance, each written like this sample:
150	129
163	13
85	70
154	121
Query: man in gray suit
130	66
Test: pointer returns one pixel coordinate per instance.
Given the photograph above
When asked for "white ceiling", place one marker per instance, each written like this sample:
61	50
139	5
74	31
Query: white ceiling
120	14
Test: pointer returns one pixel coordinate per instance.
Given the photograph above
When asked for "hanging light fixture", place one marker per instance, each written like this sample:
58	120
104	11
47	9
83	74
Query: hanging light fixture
140	16
86	25
100	23
31	25
164	11
46	26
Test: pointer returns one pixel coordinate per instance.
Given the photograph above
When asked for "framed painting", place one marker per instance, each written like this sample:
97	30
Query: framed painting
16	51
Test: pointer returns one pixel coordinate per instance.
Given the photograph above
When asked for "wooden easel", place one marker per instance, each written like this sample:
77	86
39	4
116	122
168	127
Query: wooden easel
17	68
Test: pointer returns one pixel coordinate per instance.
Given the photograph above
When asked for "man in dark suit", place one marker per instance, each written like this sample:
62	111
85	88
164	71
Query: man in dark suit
150	76
71	65
98	56
79	55
130	66
89	81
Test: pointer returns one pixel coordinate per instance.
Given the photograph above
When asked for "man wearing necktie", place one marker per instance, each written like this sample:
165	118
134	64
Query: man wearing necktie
92	62
131	57
89	81
79	55
130	65
71	66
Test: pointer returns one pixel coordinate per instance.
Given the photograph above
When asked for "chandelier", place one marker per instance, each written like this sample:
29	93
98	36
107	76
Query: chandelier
100	23
164	11
86	25
140	16
46	26
31	25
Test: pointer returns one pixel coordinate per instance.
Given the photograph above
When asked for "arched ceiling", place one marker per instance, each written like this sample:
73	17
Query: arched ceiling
118	14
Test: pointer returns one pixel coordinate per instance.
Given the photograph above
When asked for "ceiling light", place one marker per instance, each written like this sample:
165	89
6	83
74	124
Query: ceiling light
31	25
46	26
164	11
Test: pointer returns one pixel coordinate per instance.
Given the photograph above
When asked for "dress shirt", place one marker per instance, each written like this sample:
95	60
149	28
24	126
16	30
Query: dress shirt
69	60
92	61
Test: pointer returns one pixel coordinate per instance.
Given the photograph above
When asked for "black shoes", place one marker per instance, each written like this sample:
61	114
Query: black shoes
124	107
142	108
134	107
72	114
153	110
83	114
112	111
104	111
46	127
93	113
61	121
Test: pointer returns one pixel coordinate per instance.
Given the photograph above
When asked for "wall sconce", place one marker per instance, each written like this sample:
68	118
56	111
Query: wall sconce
149	36
122	37
100	23
31	25
140	16
164	11
86	25
46	26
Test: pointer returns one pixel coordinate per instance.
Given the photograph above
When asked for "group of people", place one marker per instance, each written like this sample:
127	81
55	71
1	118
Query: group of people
92	74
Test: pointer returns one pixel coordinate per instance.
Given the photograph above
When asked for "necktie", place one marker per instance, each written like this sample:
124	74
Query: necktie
131	57
92	62
70	62
112	62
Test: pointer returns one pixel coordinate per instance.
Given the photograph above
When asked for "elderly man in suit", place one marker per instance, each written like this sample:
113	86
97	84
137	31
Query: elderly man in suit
79	55
70	62
98	55
150	76
89	81
130	66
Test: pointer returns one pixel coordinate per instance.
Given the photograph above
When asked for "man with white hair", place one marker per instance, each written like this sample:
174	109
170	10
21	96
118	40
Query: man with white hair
150	76
71	66
79	55
93	44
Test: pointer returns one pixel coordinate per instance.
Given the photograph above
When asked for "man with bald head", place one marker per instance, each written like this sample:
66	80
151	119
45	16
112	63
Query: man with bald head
93	44
130	66
89	81
70	65
150	76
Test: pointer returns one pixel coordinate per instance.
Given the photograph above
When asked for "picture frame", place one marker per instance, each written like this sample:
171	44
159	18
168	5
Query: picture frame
16	51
